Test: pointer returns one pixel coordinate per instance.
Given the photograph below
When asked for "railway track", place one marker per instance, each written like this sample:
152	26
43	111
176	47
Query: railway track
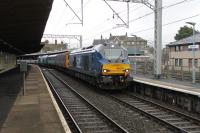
84	117
175	120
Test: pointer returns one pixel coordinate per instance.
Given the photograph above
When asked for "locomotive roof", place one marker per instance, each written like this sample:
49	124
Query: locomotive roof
89	49
98	48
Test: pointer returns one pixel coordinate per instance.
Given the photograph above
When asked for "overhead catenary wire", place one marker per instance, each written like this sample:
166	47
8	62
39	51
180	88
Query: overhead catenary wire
150	13
70	21
120	12
80	10
151	28
164	7
169	23
141	17
99	25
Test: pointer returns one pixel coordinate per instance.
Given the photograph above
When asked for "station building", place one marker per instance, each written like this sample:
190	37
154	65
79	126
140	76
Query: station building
181	55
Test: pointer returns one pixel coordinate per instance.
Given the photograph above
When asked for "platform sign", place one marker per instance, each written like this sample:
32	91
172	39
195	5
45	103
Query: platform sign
23	66
23	69
193	46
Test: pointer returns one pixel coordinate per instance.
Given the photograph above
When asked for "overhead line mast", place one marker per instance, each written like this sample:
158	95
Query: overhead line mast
157	8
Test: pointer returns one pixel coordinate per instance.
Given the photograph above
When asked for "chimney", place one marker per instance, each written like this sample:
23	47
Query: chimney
101	37
126	34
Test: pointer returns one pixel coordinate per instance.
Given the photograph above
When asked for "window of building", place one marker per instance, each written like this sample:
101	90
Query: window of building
196	62
181	48
172	49
180	62
184	48
190	62
177	48
133	43
176	62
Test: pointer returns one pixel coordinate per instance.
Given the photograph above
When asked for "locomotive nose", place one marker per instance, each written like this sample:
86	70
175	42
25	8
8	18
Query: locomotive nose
116	69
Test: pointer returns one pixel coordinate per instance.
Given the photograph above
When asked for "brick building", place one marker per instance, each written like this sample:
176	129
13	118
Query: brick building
180	53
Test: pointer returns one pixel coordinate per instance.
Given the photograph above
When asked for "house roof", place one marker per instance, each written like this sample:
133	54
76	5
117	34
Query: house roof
187	40
99	41
126	38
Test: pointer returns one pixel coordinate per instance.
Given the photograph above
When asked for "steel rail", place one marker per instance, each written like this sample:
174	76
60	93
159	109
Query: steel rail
120	128
62	104
195	120
148	114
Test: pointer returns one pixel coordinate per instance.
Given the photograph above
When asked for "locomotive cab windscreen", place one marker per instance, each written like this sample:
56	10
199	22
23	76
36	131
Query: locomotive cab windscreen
114	53
116	61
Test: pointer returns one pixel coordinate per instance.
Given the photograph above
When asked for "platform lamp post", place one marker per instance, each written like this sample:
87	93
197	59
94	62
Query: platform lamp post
193	53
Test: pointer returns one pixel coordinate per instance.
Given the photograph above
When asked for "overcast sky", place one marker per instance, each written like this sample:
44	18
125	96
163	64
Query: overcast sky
98	19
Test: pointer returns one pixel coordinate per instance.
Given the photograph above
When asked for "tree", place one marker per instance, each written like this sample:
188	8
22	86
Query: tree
184	32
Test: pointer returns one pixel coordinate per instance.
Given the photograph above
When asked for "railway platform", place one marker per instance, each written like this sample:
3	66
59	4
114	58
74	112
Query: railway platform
35	112
181	94
170	84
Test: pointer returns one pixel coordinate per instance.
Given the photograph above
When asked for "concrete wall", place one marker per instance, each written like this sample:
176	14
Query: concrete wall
7	61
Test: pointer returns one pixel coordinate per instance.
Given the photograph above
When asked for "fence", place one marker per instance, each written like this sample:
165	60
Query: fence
181	73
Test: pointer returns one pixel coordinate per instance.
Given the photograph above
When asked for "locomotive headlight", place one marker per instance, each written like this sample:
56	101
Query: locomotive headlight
127	70
104	70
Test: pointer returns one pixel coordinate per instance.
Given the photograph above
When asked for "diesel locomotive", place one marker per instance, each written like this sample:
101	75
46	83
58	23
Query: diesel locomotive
105	65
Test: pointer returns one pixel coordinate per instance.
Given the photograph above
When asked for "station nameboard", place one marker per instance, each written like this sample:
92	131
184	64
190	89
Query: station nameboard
193	46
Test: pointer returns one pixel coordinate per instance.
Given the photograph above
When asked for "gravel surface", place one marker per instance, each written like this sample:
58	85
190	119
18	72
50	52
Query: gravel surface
127	118
174	107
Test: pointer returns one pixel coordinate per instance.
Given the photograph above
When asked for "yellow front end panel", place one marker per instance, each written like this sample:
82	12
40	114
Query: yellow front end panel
116	69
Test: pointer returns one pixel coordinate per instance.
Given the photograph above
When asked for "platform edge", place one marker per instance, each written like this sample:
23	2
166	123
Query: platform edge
59	112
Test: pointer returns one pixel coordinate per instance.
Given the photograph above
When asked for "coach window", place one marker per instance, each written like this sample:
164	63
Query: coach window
92	58
74	62
86	62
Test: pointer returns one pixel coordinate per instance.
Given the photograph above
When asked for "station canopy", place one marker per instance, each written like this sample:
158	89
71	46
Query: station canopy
22	24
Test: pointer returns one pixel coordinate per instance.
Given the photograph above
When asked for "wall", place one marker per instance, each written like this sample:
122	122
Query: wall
7	61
